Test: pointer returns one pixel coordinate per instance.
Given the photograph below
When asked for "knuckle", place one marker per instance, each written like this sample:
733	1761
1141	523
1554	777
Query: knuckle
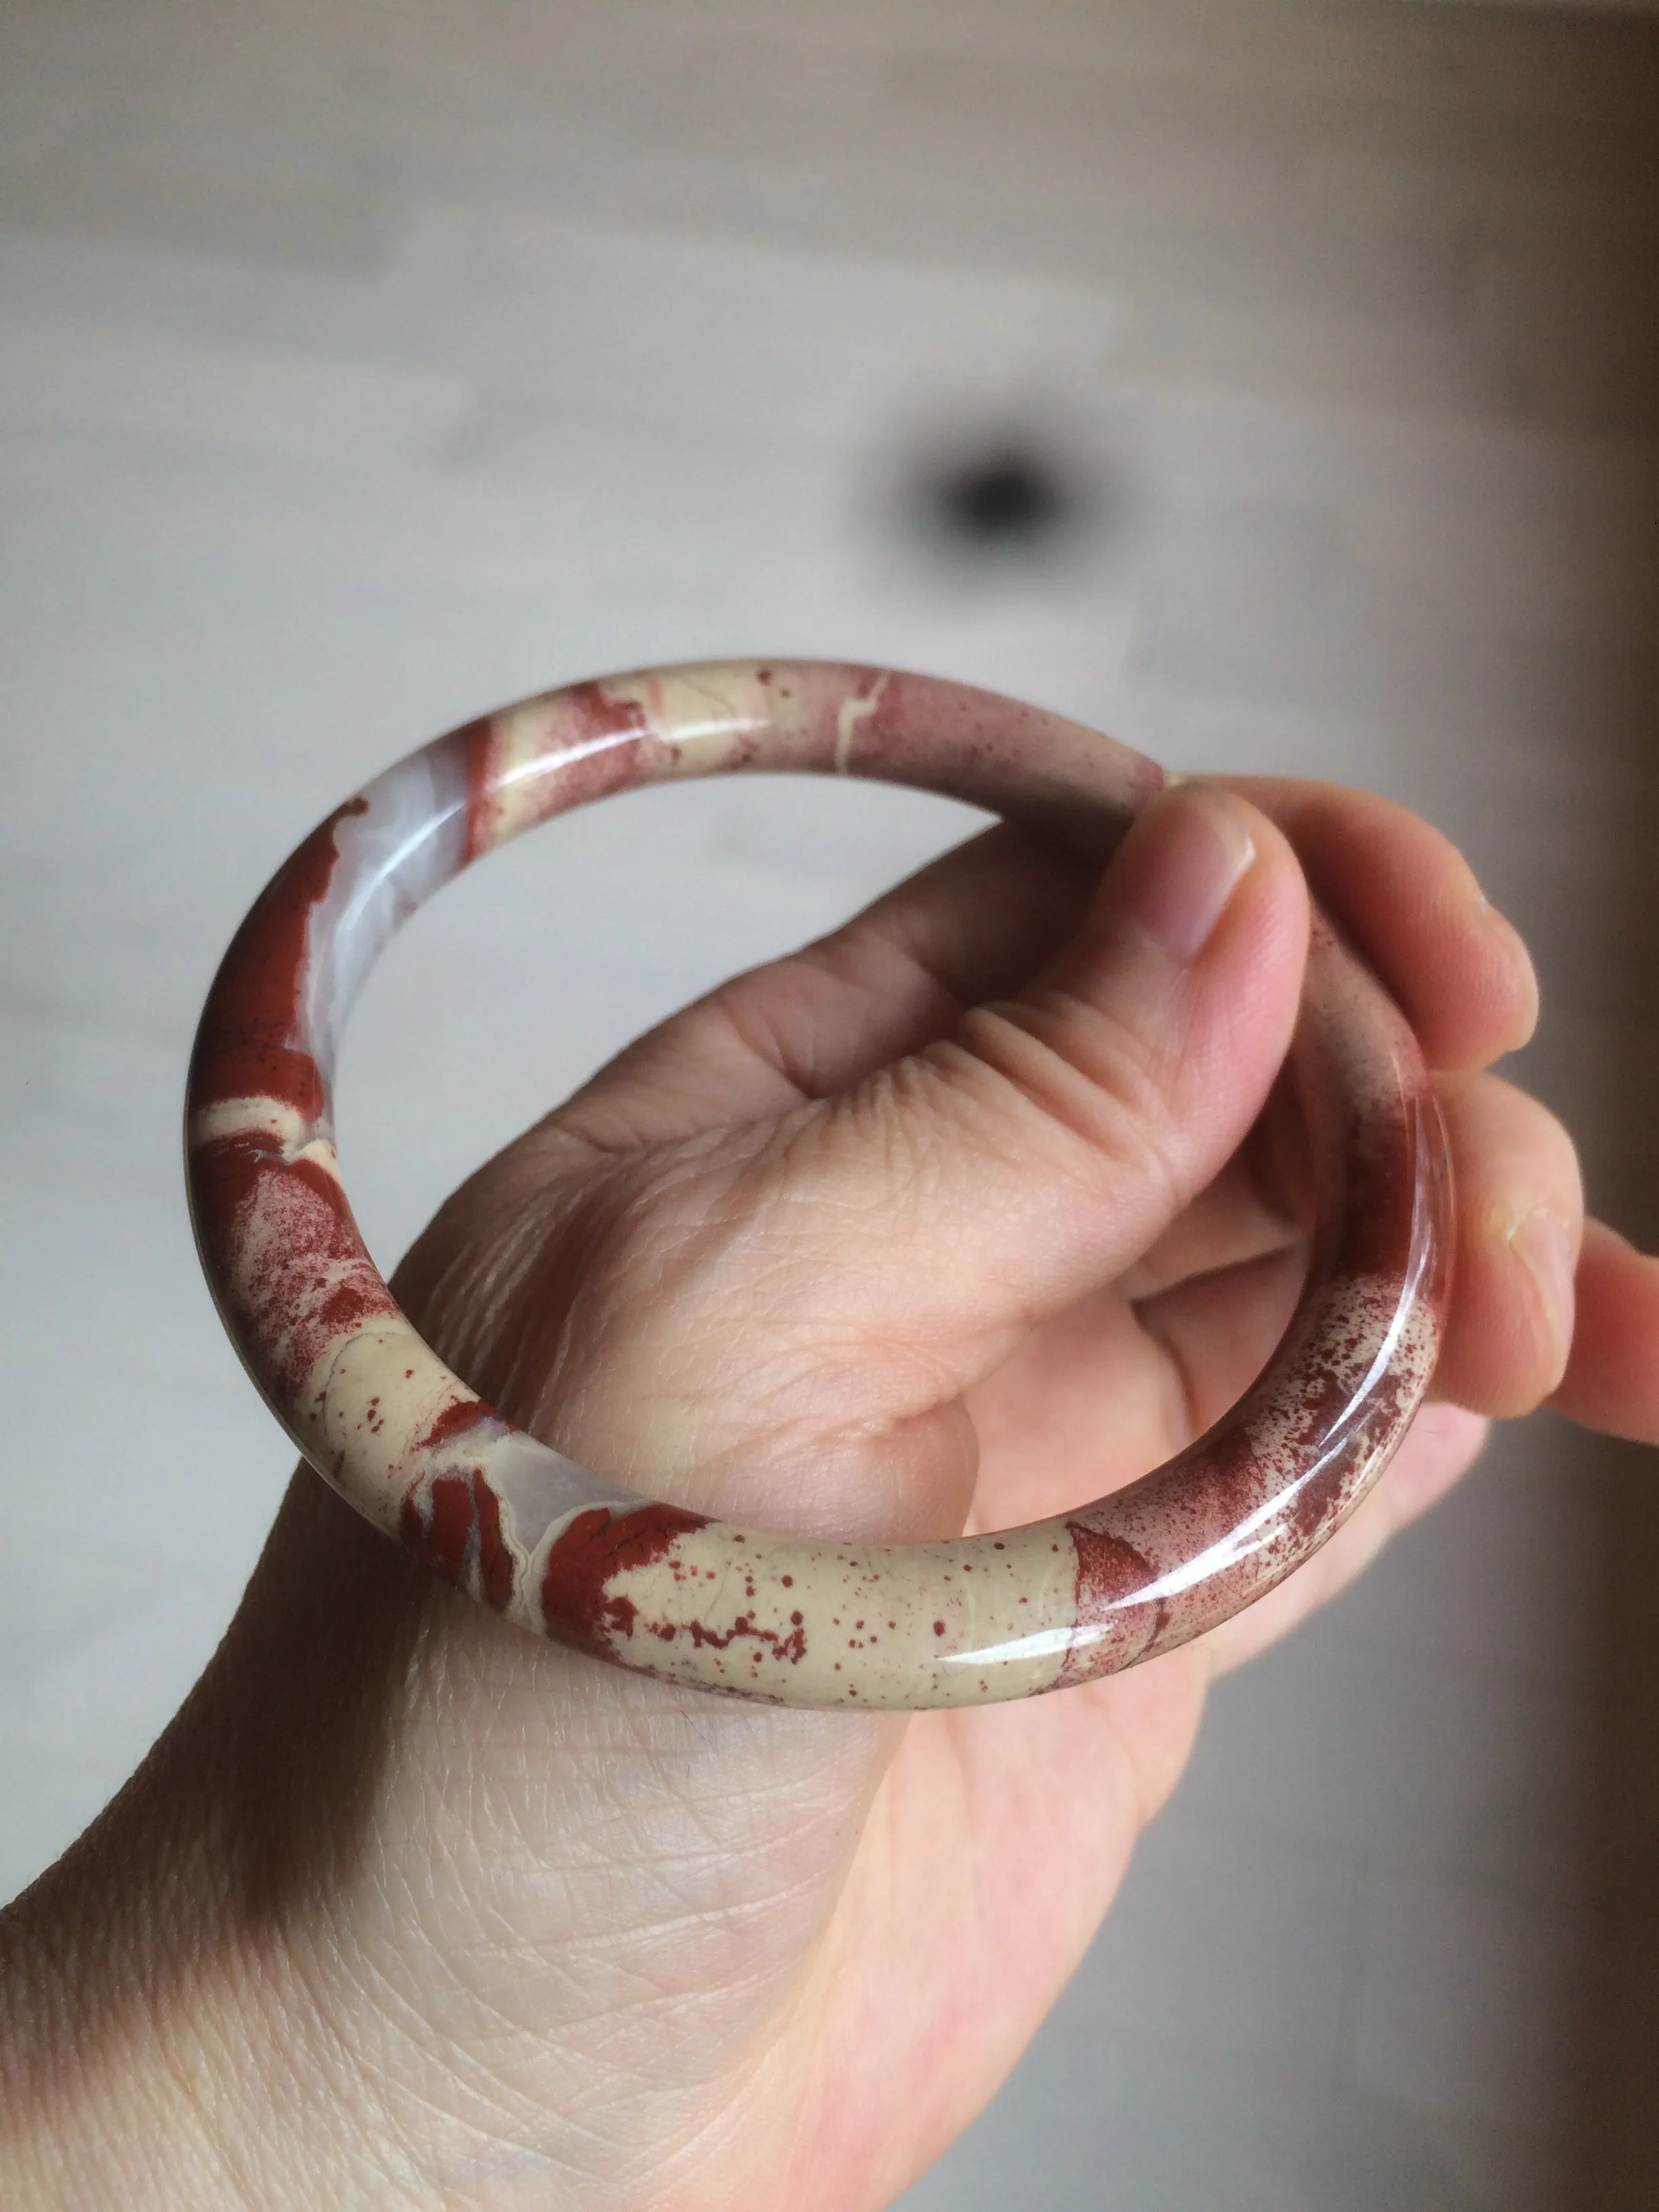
1094	1089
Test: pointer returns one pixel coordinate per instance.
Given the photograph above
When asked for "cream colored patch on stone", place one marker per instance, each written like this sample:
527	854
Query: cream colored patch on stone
702	712
853	712
260	1116
364	1381
524	749
321	1152
688	1604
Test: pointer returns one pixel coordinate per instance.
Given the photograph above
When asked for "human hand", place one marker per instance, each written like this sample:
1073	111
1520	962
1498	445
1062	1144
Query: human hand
932	1224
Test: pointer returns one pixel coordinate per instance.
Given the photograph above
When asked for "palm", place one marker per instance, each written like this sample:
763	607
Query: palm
933	1954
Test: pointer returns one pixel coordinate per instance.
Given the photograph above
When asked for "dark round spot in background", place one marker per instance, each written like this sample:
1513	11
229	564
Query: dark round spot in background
1003	498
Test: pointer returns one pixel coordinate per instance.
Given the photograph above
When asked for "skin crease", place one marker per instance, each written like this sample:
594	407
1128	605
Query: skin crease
409	1909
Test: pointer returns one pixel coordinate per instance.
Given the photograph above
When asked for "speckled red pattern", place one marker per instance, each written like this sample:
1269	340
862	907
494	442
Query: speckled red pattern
649	1585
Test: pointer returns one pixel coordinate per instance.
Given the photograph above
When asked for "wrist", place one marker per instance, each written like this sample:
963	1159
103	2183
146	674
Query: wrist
302	1960
159	2046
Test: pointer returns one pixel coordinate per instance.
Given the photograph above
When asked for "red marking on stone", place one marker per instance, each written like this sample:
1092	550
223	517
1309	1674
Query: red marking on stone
1375	1235
312	1280
1318	1500
1110	1575
454	1420
494	1560
1226	1483
610	746
577	1606
972	745
473	743
285	1225
791	1647
464	1511
247	1046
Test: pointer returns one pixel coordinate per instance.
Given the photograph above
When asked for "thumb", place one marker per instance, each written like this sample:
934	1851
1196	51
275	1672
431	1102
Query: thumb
1000	1173
841	1273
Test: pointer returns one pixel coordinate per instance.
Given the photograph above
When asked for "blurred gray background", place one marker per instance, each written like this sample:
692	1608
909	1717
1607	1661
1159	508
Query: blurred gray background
1275	385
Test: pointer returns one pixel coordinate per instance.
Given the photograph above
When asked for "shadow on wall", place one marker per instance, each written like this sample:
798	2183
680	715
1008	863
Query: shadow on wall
1603	343
1004	495
1619	2085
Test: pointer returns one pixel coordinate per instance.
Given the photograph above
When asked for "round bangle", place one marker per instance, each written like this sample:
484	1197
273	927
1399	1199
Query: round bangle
667	1591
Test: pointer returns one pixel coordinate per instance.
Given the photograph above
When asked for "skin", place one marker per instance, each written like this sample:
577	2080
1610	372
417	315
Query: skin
407	1908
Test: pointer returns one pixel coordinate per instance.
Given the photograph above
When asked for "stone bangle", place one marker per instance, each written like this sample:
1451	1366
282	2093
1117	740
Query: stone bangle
666	1591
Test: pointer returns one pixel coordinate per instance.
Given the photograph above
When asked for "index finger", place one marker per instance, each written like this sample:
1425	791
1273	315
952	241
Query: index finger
1408	898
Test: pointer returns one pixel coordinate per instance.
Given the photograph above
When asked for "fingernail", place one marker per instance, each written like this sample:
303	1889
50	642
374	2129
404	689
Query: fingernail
1179	867
1544	1246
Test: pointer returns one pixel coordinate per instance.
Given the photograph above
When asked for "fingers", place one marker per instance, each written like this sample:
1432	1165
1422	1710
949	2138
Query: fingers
1206	1321
1250	1211
1099	1394
1519	1215
1218	1332
976	924
1203	1291
1003	1171
1612	1379
1408	898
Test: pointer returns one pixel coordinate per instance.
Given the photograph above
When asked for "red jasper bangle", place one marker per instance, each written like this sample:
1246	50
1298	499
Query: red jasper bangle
668	1592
